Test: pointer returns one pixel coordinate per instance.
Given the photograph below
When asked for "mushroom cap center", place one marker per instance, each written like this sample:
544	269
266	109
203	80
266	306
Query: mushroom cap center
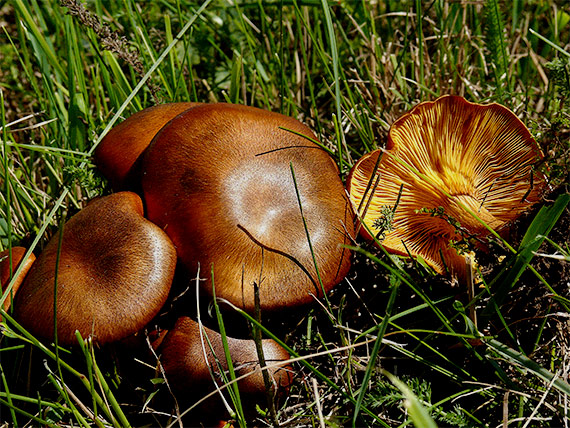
264	201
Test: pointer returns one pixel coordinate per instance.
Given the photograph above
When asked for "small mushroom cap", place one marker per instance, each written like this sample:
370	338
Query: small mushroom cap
8	269
115	272
447	154
218	180
118	152
182	357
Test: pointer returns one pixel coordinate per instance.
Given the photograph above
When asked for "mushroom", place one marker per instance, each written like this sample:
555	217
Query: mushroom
192	359
232	186
116	156
114	275
453	160
10	260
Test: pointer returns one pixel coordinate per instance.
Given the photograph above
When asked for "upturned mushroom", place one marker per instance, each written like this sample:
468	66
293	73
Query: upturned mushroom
110	276
9	263
116	156
448	164
194	360
246	193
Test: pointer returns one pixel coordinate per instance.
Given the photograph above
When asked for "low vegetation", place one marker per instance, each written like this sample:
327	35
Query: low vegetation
395	344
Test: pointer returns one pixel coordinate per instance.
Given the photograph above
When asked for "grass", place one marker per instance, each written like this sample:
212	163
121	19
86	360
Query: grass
393	334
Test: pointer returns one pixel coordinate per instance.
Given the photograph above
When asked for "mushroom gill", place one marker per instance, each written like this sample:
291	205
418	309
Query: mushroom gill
448	164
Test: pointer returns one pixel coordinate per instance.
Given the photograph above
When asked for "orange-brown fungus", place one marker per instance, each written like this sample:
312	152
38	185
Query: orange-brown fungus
449	157
219	180
111	274
9	264
116	156
189	352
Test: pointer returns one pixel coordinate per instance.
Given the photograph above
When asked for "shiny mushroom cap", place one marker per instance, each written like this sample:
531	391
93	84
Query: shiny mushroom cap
183	358
9	263
218	179
115	272
116	156
448	155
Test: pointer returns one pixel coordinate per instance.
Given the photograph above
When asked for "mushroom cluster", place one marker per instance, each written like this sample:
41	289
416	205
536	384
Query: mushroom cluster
249	196
451	170
238	190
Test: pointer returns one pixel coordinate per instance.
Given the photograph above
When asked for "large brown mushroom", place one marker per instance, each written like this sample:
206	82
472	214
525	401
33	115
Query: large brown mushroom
193	362
10	260
453	160
115	272
116	156
219	180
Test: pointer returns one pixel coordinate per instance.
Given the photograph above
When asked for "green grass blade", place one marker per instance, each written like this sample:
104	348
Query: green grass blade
236	75
8	396
27	337
550	43
420	36
44	45
336	76
418	413
309	366
532	240
232	375
59	385
307	234
28	415
520	359
375	350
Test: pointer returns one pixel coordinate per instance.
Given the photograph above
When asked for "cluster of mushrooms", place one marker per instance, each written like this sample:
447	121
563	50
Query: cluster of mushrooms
246	199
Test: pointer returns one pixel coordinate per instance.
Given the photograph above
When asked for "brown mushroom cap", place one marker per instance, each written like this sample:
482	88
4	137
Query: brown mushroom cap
8	269
184	363
115	272
218	180
118	152
448	154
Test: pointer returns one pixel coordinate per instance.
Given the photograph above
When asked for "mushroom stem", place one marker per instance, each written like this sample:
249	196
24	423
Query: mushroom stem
470	289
